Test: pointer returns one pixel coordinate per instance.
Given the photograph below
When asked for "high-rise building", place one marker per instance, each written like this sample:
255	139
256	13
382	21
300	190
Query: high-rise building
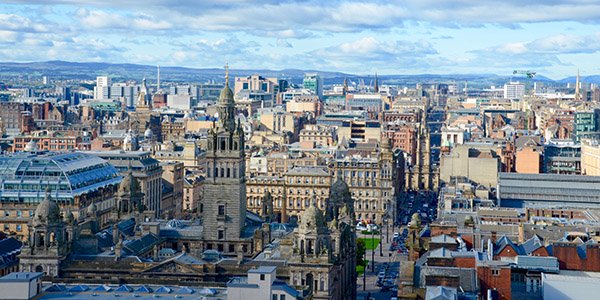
313	83
256	83
514	90
102	89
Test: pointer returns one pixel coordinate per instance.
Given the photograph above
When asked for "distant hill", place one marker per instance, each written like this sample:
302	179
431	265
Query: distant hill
119	72
89	70
589	79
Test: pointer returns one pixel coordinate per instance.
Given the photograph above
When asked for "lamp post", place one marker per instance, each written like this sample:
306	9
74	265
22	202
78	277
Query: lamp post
381	241
365	271
372	251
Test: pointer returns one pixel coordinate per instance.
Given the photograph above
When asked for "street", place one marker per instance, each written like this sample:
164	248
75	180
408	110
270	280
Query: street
389	257
423	203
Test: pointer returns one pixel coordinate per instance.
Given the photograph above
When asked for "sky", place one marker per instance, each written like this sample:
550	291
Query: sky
554	38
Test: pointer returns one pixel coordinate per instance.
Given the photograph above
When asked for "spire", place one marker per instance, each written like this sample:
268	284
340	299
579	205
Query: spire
226	74
157	79
376	87
345	90
577	92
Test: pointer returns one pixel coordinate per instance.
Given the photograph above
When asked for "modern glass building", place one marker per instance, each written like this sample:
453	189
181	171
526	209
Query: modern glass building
24	176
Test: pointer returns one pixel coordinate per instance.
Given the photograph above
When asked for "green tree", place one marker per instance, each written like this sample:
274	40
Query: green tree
361	248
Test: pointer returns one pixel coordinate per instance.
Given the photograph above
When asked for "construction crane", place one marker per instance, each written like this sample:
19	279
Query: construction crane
527	73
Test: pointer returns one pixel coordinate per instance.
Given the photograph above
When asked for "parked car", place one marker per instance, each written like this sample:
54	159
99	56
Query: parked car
372	227
360	227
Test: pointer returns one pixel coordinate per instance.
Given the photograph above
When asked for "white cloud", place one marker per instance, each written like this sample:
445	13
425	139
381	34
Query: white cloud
16	23
283	43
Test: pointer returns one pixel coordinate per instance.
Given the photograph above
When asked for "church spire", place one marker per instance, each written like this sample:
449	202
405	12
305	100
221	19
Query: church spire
376	87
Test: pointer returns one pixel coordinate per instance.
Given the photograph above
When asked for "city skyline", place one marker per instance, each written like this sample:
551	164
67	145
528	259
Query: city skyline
412	37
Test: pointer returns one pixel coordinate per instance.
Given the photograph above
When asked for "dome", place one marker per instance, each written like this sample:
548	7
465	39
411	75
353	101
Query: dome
128	185
148	134
312	217
174	223
92	210
226	94
340	187
415	221
32	146
69	218
385	144
446	143
339	194
47	212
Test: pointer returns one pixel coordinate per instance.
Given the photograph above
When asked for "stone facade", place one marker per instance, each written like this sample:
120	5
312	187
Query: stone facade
224	202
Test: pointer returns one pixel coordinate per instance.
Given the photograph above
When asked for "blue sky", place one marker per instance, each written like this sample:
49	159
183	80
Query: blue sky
552	37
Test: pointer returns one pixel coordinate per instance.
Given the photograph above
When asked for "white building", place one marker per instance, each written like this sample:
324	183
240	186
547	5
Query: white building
574	285
514	90
102	89
260	284
181	101
20	285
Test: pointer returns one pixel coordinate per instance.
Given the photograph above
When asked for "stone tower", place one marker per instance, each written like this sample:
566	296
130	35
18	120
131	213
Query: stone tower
142	102
129	198
49	241
324	247
224	213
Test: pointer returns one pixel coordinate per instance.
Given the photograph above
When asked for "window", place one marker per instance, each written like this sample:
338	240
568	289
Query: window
221	234
281	297
495	272
231	248
274	297
221	210
19	227
262	277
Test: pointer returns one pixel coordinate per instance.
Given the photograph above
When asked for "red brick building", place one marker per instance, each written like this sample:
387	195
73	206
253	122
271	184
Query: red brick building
51	141
577	256
403	136
495	276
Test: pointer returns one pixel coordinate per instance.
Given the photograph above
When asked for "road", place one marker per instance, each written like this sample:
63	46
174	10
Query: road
389	257
392	258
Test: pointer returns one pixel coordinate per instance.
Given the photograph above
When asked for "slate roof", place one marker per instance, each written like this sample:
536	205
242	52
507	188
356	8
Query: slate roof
440	293
532	244
10	246
440	253
504	242
141	245
282	286
443	239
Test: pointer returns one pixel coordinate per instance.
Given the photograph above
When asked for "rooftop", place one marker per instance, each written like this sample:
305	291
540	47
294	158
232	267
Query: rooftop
69	174
21	276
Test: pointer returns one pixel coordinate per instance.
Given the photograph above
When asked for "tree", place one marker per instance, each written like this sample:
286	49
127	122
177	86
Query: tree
361	249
